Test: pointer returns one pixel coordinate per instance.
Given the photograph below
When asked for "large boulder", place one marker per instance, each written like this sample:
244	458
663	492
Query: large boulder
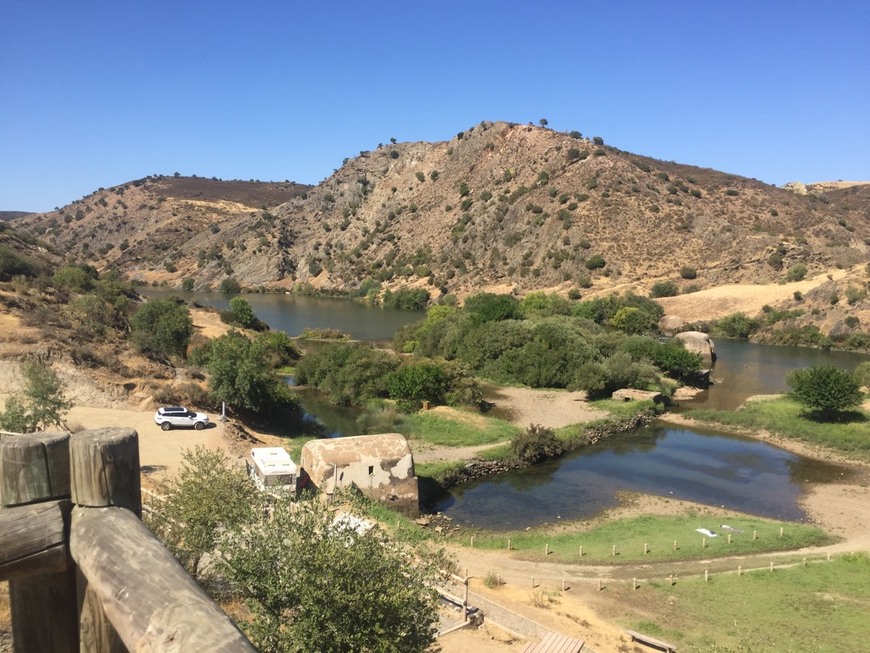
700	343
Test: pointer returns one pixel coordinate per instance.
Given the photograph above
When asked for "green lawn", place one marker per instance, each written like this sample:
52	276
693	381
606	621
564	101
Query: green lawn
658	533
443	431
785	417
820	608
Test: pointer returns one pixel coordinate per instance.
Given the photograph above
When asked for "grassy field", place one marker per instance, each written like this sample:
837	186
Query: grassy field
658	533
820	608
443	431
785	417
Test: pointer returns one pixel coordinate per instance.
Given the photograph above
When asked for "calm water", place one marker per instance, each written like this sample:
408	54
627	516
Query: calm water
293	313
744	369
740	474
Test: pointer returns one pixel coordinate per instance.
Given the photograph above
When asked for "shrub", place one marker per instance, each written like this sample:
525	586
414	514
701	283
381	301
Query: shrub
420	176
736	325
775	260
796	272
229	286
489	307
412	299
862	373
595	262
687	272
664	289
75	278
825	389
242	314
536	444
855	295
13	263
162	328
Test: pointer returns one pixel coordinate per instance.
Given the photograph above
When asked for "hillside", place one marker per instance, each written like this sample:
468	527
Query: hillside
499	206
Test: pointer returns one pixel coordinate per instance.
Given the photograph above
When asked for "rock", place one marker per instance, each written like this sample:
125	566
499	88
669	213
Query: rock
630	394
699	342
671	323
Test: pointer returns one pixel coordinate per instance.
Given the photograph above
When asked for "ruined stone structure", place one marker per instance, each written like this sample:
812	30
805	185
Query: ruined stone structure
381	466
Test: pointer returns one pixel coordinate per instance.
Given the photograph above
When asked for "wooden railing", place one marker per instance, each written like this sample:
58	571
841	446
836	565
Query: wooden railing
84	573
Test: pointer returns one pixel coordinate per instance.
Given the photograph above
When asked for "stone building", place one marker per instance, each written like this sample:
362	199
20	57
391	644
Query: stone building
381	466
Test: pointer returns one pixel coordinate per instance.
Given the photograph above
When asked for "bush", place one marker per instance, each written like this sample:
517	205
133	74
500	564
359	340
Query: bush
489	307
229	286
796	272
412	299
825	390
75	278
162	328
687	272
13	263
862	373
536	444
736	325
664	289
595	262
241	313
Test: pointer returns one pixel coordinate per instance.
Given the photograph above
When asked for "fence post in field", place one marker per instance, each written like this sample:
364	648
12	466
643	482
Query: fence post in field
35	468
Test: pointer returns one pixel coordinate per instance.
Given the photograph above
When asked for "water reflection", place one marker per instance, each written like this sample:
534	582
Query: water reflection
739	474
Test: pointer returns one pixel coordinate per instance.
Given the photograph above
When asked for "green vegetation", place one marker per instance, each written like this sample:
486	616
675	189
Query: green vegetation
785	417
820	607
687	272
162	328
39	405
736	325
825	390
536	444
447	432
242	372
664	289
796	272
412	299
353	373
229	286
240	313
14	263
546	341
346	591
659	534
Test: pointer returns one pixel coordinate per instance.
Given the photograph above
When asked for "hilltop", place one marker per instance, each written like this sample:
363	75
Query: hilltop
499	206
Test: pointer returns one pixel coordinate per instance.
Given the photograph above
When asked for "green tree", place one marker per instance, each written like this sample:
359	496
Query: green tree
75	278
240	375
796	272
242	314
162	328
736	325
209	495
346	591
489	307
825	390
40	404
229	286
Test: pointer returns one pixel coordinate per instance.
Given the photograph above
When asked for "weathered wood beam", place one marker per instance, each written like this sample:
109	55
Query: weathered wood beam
147	595
105	468
33	539
33	468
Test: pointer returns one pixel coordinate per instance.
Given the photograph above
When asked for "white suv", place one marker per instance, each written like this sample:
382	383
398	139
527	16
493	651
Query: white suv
170	416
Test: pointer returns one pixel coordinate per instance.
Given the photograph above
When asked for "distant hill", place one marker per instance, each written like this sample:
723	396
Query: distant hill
11	215
505	206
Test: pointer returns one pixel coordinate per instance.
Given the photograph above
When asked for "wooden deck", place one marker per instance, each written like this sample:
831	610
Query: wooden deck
555	643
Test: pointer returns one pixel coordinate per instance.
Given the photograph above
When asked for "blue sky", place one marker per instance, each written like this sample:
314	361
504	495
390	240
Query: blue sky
97	92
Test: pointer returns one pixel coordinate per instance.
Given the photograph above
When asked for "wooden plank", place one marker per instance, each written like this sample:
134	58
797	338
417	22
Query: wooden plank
104	468
34	467
651	641
33	539
146	594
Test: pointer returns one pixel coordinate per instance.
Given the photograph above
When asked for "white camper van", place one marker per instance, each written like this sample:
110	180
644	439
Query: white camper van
272	469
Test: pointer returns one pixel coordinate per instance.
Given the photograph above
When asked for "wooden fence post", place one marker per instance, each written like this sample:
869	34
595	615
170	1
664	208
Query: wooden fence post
104	469
35	468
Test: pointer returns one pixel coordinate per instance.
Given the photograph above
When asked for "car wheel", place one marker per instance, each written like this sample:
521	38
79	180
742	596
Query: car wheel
166	426
199	426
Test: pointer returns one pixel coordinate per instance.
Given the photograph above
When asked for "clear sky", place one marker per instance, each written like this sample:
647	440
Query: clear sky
98	92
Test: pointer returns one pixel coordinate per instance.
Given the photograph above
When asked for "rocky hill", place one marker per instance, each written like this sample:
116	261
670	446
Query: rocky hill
498	206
